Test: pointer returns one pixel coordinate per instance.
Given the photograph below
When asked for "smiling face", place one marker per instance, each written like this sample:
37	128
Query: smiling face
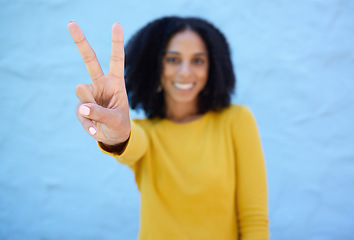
185	68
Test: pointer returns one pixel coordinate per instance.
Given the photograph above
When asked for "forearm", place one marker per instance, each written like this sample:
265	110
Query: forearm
132	149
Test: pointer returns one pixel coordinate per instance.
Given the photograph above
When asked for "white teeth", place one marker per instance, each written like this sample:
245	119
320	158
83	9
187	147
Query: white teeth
183	86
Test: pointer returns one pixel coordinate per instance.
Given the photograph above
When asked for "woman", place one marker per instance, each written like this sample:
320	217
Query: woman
197	159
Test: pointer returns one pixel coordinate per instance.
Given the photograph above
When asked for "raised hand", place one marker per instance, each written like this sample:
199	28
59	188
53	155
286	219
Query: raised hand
103	108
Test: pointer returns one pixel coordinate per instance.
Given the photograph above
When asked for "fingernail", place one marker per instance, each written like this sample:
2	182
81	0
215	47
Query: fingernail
71	21
83	110
92	130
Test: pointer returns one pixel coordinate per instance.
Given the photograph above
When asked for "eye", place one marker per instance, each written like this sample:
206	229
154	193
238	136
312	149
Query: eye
198	61
172	60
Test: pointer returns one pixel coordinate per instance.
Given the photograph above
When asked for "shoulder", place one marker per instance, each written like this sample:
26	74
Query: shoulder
235	108
146	123
236	117
236	112
142	121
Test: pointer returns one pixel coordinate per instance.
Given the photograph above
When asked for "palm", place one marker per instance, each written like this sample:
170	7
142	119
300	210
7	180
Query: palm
107	91
108	94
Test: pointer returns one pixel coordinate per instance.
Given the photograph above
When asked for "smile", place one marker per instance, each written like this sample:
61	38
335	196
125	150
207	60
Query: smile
183	86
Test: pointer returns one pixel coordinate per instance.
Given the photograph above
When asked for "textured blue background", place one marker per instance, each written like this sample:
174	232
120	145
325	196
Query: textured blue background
295	66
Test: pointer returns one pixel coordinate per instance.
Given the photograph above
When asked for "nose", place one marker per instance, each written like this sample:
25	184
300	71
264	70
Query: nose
185	69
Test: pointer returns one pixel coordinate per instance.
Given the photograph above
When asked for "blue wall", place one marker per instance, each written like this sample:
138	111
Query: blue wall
295	66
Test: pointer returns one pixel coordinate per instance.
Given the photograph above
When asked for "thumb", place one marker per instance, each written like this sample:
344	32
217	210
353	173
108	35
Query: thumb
98	113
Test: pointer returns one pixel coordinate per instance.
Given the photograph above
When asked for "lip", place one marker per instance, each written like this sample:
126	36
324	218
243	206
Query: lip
183	86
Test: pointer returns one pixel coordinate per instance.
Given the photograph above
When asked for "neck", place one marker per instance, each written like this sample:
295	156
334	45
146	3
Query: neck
181	113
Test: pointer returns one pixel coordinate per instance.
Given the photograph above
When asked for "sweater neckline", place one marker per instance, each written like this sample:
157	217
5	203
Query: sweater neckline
192	122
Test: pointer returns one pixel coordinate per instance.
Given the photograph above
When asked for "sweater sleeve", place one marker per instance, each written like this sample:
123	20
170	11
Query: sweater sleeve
136	147
251	198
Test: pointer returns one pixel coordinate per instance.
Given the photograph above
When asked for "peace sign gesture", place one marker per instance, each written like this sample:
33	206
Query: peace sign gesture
103	108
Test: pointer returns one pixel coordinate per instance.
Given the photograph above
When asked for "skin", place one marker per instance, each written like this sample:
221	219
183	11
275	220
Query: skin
184	75
103	108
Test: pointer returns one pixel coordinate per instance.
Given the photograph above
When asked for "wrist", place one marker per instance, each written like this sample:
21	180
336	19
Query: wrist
115	147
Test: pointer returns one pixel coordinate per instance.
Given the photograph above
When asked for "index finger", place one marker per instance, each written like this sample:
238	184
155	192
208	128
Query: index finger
88	55
116	65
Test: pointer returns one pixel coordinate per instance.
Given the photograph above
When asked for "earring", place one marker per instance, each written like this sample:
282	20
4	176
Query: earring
159	88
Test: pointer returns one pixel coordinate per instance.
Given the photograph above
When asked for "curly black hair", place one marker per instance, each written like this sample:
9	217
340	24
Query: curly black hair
143	65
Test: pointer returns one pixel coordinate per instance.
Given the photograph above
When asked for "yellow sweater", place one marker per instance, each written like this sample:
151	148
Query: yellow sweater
199	180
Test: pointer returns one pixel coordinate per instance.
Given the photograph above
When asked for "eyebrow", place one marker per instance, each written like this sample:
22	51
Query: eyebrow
177	53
